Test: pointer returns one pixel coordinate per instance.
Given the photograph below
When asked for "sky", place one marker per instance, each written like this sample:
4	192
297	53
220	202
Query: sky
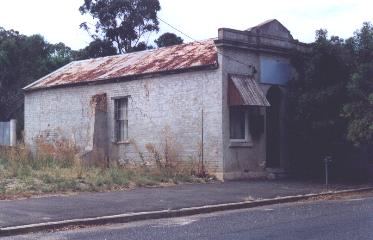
59	20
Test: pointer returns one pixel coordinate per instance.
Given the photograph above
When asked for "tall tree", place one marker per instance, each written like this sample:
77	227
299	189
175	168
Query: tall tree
315	102
168	39
359	109
123	22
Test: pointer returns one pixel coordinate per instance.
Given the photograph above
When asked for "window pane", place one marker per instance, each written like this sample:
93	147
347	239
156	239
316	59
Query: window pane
118	131
119	109
124	130
121	122
237	122
124	109
116	107
121	130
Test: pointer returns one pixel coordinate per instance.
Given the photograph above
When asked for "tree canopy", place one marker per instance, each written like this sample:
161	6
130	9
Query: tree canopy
123	23
24	59
97	48
359	109
331	102
168	39
317	97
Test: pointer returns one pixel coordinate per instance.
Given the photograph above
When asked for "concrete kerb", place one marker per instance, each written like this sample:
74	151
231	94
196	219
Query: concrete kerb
140	216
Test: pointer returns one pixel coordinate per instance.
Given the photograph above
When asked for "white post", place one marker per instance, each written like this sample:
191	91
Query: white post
327	160
13	132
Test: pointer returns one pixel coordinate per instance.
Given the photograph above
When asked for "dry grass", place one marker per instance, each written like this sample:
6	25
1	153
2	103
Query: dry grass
56	168
166	156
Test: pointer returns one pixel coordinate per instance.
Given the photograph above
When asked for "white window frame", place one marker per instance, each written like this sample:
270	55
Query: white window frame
117	120
244	142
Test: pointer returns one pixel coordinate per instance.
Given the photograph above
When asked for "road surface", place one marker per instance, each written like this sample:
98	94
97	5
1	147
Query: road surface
346	218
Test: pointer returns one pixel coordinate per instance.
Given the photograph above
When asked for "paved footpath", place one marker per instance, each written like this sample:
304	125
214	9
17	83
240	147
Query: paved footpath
86	205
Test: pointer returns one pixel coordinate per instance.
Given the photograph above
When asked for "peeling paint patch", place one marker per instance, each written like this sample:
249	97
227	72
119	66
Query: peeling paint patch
99	102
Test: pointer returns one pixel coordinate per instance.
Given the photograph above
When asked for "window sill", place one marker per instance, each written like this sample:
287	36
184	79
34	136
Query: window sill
239	144
122	142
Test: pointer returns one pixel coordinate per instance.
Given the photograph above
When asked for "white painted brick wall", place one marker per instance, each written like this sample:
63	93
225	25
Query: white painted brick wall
171	100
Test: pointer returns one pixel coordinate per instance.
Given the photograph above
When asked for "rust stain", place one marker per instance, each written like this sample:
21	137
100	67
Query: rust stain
99	102
244	90
152	61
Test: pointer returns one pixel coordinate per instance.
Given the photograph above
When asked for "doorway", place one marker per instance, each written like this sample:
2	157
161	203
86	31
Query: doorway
274	96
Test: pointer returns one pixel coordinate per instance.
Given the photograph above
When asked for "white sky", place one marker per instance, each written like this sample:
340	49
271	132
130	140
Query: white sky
58	20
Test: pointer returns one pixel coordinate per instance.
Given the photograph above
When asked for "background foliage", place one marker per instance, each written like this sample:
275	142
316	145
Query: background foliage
330	103
168	39
23	59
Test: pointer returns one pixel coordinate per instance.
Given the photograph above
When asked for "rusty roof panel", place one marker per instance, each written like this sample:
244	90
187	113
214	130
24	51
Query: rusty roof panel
249	90
178	57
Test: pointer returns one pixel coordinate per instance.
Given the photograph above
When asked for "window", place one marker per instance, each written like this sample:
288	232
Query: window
121	119
238	120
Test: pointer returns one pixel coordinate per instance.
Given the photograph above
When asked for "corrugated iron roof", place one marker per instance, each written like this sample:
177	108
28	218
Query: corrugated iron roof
250	92
178	57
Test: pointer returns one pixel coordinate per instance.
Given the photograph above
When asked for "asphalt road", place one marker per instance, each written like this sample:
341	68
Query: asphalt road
86	205
348	218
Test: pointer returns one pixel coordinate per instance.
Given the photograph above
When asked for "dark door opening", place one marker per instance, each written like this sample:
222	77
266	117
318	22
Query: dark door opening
274	97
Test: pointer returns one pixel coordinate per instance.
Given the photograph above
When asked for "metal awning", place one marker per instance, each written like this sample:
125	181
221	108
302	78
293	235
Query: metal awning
244	90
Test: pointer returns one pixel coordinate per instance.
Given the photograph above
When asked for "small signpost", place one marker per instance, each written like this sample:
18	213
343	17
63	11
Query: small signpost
327	161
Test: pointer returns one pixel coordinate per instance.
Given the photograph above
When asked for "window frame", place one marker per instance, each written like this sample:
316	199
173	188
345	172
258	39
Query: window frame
243	142
117	121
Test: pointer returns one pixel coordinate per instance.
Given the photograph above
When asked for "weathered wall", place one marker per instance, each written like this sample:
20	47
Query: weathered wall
245	161
175	101
266	49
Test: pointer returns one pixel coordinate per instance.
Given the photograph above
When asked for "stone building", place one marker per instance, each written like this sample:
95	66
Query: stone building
220	99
